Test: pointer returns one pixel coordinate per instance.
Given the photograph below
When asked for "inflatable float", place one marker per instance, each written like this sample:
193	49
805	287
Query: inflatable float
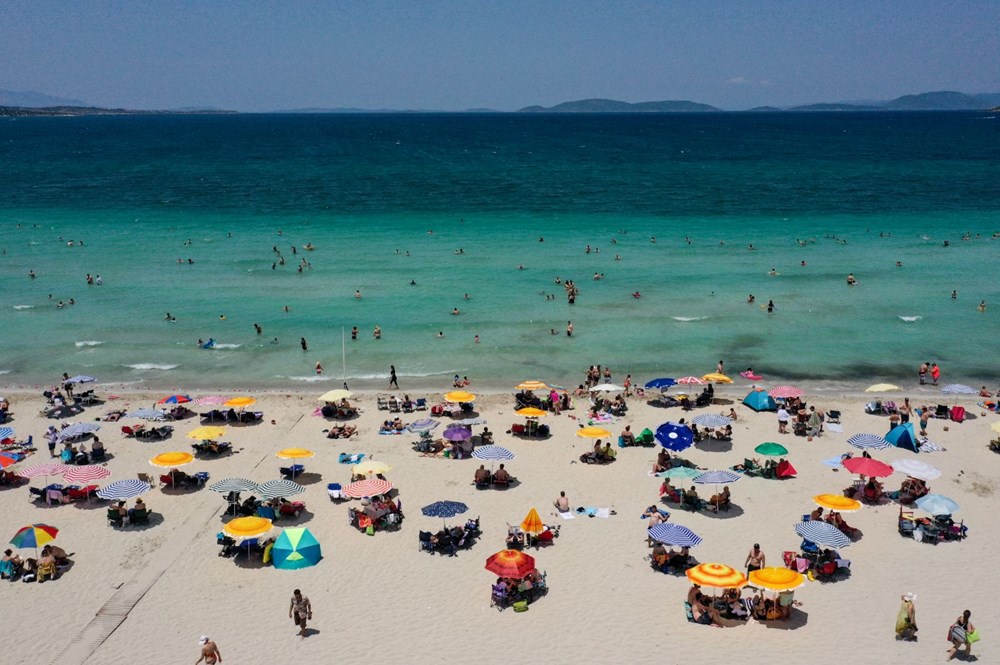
751	376
209	344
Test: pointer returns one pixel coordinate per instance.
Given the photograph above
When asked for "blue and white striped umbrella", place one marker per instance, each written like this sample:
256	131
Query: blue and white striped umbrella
868	441
234	485
147	414
492	453
711	420
444	509
78	429
274	489
822	533
6	433
674	534
674	436
422	425
959	389
717	478
123	489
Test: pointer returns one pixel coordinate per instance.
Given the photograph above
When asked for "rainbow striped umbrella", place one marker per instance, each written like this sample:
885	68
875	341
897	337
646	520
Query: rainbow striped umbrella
35	536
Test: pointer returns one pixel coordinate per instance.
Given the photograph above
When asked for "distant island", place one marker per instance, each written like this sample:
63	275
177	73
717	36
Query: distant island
73	111
614	106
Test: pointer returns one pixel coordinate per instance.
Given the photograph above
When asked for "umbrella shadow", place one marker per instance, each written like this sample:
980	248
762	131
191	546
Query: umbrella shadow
308	478
252	561
715	445
92	504
291	520
734	511
797	619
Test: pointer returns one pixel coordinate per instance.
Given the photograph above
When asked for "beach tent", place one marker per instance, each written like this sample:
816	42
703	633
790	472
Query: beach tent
296	548
759	400
903	436
785	470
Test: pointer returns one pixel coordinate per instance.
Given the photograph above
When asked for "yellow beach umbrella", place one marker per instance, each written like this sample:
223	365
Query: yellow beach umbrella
531	412
531	385
459	396
335	395
168	460
532	523
592	433
247	527
776	579
995	427
837	502
715	377
294	453
238	402
371	468
207	433
881	388
716	575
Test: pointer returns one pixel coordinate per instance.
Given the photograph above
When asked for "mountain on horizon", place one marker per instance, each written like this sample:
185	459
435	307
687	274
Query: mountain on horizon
615	106
30	99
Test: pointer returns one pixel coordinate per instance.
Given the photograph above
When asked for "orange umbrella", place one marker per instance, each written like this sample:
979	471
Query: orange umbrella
294	453
531	385
837	502
532	523
240	402
776	579
592	433
716	575
510	563
172	459
531	412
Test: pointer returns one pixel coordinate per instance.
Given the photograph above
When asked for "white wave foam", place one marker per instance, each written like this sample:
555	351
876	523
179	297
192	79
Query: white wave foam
87	342
910	319
688	319
24	307
152	366
315	378
6	371
226	346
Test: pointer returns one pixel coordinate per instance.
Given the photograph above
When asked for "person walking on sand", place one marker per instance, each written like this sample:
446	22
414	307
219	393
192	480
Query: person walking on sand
906	620
959	635
392	377
209	651
300	610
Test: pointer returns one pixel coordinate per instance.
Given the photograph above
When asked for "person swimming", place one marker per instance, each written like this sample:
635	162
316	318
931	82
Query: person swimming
770	306
850	280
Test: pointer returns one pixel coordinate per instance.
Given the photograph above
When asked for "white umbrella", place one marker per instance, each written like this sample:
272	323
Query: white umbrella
607	388
916	469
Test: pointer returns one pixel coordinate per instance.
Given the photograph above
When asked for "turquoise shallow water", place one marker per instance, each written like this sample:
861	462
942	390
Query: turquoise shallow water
135	190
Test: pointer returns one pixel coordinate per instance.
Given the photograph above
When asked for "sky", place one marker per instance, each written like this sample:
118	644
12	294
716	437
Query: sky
500	54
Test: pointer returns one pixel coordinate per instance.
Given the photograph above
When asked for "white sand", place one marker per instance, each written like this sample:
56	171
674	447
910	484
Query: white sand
379	598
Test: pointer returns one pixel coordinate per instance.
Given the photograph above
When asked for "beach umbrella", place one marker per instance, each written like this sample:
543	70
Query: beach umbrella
459	396
492	453
959	389
367	487
867	466
916	469
35	536
715	377
785	392
776	579
207	433
175	399
240	402
674	534
47	469
903	436
86	474
771	449
995	427
6	433
9	459
274	489
760	400
868	442
592	433
662	383
172	459
209	400
335	395
422	425
716	575
247	527
717	477
680	473
123	489
457	434
78	429
937	504
837	502
469	422
606	388
79	378
296	548
147	414
881	388
510	563
822	533
690	381
531	412
674	436
294	453
371	467
711	420
234	485
532	523
531	385
444	509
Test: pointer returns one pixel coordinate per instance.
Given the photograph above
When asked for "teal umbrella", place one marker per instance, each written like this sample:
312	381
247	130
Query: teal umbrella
680	472
771	448
296	548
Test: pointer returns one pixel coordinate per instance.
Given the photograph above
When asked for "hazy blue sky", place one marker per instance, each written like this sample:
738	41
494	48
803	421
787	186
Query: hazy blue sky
468	53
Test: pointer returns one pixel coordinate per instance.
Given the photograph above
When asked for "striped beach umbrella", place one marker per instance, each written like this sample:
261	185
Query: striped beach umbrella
674	534
274	489
422	425
690	381
711	420
6	433
78	429
469	422
444	509
34	535
959	389
147	414
367	487
868	441
785	392
822	533
209	400
87	473
717	575
123	489
717	478
234	485
492	453
531	385
175	399
680	473
47	469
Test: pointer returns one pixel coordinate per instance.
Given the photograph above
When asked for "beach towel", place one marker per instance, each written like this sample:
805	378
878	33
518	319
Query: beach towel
389	432
318	411
834	427
928	446
590	511
568	515
350	458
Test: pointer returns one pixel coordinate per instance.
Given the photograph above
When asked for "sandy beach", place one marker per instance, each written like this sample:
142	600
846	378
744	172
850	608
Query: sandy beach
381	597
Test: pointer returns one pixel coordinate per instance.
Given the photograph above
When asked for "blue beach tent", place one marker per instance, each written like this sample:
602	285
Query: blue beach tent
759	400
903	436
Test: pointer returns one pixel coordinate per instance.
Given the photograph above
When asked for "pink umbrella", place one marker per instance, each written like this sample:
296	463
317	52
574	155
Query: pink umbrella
86	474
867	466
367	487
209	399
785	392
47	469
691	380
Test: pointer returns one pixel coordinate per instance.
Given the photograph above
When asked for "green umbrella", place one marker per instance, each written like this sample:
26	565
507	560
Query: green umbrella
771	448
296	548
680	472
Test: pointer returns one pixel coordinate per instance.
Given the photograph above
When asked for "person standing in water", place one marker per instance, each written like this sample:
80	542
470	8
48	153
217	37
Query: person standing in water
569	329
303	344
392	377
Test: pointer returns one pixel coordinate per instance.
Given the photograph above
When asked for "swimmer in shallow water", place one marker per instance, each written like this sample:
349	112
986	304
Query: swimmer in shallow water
850	280
455	312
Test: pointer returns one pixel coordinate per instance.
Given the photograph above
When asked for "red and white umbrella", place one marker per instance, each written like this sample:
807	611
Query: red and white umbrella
786	392
367	487
691	381
86	474
47	469
209	400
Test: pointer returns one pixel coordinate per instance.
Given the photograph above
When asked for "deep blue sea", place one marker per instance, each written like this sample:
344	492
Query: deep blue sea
187	214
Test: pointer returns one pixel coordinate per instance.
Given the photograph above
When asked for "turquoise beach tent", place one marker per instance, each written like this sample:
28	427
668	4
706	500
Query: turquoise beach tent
759	400
296	548
903	436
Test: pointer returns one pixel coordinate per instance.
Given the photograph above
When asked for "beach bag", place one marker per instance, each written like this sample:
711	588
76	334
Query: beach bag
972	637
520	606
957	634
370	530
